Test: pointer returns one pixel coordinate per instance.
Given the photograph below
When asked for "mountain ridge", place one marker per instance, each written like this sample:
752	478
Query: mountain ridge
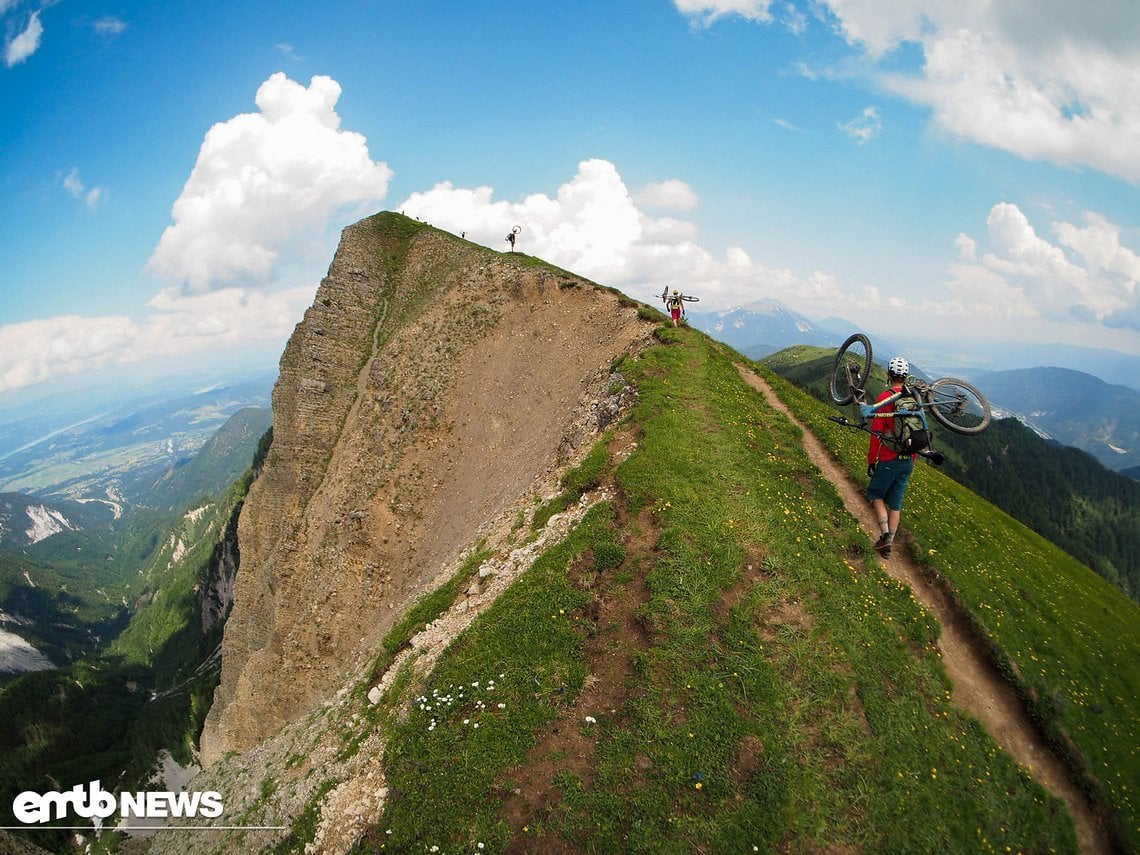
1075	408
419	350
766	662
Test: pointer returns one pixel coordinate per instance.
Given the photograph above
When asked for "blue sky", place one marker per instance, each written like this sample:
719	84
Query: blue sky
175	175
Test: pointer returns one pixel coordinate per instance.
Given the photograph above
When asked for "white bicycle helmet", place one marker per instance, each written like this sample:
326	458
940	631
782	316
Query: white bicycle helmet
898	367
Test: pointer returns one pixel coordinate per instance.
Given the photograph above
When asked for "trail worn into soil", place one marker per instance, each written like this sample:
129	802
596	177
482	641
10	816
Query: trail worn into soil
979	688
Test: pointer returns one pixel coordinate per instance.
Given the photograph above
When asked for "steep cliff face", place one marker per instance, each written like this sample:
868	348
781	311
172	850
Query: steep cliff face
428	388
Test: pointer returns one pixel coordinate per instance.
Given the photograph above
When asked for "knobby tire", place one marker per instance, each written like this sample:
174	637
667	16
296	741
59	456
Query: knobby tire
959	406
854	354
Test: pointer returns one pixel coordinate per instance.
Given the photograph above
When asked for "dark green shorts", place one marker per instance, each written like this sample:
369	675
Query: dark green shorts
890	480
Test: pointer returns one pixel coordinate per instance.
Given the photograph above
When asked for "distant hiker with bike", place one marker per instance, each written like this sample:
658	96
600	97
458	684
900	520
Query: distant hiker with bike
889	469
675	302
676	307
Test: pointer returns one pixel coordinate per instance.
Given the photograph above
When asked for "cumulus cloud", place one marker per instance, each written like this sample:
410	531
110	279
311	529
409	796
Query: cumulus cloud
1086	274
1043	80
37	350
1078	277
267	182
967	247
672	194
263	184
175	324
25	42
594	226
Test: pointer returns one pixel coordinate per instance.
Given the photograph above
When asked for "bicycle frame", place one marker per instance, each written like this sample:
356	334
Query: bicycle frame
955	404
873	411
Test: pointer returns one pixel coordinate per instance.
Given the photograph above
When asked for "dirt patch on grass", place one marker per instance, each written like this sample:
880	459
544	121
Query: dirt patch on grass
788	615
749	758
615	631
736	593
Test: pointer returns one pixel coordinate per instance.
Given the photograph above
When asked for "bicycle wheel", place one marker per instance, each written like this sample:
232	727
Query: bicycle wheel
958	405
851	368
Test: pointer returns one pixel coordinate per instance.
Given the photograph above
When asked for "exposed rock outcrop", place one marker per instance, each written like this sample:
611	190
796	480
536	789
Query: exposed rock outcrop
429	387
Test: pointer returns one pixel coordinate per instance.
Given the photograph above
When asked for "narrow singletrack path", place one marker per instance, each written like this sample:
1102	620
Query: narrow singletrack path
979	688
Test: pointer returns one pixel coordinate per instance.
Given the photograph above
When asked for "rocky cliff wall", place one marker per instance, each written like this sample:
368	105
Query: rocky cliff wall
432	383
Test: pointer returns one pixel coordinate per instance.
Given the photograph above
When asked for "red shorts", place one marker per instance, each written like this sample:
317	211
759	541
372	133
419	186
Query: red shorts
675	314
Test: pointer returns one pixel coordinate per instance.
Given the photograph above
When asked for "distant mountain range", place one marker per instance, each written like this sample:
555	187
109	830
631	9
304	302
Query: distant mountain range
1072	407
762	327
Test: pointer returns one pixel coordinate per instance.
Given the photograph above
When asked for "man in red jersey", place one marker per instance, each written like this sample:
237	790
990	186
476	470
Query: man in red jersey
889	471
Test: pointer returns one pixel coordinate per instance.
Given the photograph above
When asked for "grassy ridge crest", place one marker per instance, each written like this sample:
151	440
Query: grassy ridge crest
777	689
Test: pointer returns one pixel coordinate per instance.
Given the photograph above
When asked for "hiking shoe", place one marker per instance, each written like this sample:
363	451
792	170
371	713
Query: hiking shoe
883	545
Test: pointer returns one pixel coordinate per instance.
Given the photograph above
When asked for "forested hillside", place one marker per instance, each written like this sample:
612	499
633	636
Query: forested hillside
1075	408
106	716
1060	492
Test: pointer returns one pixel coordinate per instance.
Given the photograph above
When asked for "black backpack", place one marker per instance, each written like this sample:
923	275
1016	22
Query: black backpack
909	433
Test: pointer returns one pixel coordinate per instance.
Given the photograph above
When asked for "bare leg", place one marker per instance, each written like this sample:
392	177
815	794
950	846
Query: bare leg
886	516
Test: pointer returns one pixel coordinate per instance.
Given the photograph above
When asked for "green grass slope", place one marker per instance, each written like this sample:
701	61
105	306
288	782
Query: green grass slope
1067	639
714	661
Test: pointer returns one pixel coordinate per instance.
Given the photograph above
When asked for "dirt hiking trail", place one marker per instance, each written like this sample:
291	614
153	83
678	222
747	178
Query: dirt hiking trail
979	688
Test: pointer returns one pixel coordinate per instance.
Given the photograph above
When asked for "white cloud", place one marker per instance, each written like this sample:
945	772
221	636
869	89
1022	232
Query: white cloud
37	350
1024	274
40	350
109	26
672	194
594	227
705	12
864	127
967	247
1098	243
1079	287
266	183
25	43
89	196
1043	79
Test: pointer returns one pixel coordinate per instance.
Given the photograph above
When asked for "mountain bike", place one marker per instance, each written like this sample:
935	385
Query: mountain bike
955	404
686	298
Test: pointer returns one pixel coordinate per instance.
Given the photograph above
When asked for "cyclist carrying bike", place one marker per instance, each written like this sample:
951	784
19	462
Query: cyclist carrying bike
889	471
676	307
